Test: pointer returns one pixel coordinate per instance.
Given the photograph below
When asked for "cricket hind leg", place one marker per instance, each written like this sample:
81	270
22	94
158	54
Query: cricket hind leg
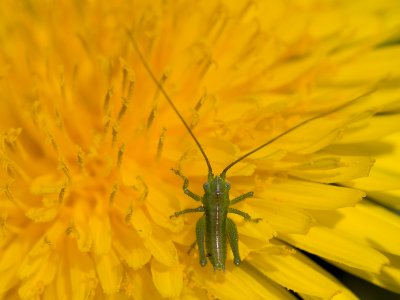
200	237
185	186
232	234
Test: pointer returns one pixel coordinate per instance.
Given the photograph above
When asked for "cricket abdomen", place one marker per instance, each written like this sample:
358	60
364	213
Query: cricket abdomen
216	234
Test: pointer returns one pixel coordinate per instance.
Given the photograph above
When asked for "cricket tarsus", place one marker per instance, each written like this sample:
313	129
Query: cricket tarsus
214	229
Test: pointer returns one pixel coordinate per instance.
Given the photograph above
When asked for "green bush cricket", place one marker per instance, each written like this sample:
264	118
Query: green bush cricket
215	228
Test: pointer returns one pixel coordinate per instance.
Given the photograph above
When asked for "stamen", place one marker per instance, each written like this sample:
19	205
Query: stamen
10	169
195	115
208	62
107	98
52	140
115	132
246	9
85	44
151	117
62	193
58	118
63	166
253	43
199	103
142	187
47	241
75	76
9	139
7	192
71	229
121	152
3	224
164	78
81	156
107	122
114	191
153	112
161	143
124	79
195	120
126	100
124	107
217	24
129	213
130	89
35	113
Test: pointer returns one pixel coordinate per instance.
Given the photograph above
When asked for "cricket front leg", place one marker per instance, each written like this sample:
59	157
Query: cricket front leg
245	215
187	211
185	186
241	198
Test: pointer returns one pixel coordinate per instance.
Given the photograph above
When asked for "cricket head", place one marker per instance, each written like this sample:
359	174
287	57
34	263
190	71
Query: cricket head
216	185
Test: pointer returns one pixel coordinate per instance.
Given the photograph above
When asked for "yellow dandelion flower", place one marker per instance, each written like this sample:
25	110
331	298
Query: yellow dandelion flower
88	141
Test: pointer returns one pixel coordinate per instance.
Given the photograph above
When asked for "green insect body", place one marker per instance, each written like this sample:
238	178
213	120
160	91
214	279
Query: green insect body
215	228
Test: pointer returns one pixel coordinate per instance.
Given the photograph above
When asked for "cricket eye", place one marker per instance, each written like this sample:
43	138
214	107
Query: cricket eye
228	186
206	186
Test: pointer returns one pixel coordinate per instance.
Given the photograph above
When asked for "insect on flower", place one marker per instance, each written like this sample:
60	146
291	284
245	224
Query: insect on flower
214	228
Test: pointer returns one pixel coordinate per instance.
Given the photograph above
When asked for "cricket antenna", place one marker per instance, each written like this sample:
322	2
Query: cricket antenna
223	173
161	88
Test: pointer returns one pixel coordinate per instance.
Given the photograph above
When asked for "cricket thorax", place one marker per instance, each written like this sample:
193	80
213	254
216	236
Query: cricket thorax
216	188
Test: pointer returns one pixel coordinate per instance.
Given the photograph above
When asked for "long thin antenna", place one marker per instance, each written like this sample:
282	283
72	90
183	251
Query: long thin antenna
223	173
153	77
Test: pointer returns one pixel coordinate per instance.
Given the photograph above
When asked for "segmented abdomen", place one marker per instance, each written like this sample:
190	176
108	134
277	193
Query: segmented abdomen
216	235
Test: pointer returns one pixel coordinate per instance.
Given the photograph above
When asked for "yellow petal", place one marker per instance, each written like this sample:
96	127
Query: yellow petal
162	248
345	294
8	279
369	67
295	271
10	259
34	261
101	233
42	214
310	195
282	218
109	271
82	231
141	223
33	287
388	278
78	278
390	198
372	129
239	283
366	223
167	279
160	207
130	246
40	265
380	180
331	169
139	285
332	245
290	71
261	230
194	293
